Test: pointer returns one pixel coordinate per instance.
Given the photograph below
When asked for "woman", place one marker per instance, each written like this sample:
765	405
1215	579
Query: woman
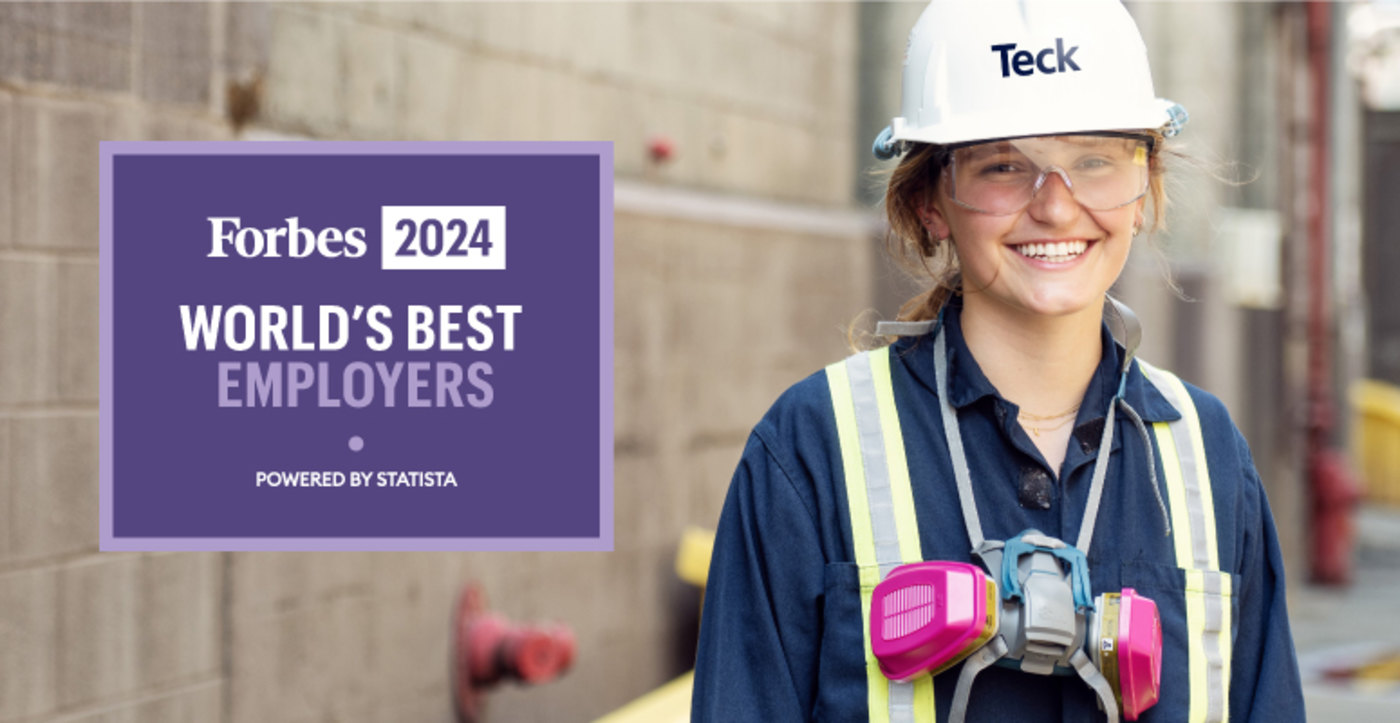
1006	416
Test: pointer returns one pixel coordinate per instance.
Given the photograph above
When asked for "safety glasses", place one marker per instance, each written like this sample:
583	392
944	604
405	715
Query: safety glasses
1103	170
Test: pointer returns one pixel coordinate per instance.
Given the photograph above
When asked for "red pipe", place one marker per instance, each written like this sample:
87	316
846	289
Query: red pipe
1332	494
488	649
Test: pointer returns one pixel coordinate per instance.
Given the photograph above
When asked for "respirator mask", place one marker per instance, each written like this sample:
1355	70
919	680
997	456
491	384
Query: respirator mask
926	617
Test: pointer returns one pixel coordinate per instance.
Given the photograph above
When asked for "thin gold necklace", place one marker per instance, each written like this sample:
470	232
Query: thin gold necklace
1065	417
1035	431
1037	418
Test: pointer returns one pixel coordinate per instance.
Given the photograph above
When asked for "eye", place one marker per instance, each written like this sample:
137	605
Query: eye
1095	163
1002	168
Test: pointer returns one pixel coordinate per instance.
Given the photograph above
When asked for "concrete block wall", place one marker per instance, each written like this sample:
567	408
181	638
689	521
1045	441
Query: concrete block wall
753	97
85	636
715	316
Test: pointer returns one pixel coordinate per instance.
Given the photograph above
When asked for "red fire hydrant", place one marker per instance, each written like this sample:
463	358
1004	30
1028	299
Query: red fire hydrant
488	649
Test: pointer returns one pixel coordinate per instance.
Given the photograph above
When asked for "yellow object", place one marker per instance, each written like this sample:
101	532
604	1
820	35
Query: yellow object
668	704
1382	673
1208	590
693	557
671	702
1376	438
864	380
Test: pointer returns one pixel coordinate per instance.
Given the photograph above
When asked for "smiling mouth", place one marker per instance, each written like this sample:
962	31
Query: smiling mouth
1057	252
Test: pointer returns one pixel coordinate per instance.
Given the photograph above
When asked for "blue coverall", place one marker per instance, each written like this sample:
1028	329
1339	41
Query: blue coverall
781	637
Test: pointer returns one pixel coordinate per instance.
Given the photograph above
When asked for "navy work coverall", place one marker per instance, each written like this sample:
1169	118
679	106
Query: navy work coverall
781	636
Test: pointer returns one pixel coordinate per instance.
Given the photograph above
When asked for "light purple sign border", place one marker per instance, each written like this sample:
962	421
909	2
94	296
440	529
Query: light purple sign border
602	149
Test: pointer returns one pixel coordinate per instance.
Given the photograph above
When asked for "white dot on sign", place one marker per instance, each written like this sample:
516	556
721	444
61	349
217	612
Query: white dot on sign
356	443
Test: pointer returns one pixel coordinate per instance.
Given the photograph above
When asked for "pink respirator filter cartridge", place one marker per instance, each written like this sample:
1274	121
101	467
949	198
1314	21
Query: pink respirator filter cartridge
1130	649
928	616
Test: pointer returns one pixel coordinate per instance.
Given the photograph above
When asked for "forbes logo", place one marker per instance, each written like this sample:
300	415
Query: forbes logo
1024	62
297	241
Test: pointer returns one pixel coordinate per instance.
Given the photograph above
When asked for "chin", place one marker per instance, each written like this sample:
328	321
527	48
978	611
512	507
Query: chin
1062	305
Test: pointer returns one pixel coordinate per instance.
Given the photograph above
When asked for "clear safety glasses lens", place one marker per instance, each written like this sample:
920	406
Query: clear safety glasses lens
1103	172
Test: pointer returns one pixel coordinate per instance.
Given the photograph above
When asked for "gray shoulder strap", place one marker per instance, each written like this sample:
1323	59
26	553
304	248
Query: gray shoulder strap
903	328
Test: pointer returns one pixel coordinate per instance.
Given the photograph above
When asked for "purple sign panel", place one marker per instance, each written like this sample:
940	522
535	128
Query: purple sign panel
375	346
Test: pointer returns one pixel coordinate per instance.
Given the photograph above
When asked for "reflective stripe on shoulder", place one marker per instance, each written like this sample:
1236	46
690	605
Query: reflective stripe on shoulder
884	526
1181	448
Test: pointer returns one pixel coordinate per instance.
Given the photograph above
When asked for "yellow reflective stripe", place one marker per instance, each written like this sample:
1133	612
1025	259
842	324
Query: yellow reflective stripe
900	490
924	710
862	538
1176	493
848	427
877	686
1199	599
854	422
1196	654
1198	450
1208	616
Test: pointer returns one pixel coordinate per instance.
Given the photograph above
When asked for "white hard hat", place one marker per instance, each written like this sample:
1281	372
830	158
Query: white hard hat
984	69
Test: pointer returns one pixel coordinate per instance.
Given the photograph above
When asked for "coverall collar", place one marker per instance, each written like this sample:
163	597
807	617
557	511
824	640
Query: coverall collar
967	384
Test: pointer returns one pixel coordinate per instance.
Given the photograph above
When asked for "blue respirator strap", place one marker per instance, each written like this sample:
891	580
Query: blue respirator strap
1073	558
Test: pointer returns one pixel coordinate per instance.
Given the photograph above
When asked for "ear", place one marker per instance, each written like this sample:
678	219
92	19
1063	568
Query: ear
932	218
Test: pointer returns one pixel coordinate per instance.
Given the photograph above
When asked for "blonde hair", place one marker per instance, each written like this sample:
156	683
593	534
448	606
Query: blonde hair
911	185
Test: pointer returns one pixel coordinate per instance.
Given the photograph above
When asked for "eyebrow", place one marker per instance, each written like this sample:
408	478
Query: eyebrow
991	149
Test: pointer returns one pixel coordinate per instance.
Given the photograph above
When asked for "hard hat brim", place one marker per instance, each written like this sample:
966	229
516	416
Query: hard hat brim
1152	115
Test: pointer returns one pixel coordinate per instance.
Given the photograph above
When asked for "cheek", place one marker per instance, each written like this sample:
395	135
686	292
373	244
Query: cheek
980	235
1118	226
1119	243
979	252
1119	223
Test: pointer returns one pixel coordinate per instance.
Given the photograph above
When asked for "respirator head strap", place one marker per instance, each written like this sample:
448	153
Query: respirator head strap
975	664
1095	679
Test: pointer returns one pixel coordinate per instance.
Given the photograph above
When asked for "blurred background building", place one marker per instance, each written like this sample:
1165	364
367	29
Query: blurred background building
747	238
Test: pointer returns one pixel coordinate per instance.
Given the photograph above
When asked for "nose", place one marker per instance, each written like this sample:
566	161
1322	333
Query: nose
1052	202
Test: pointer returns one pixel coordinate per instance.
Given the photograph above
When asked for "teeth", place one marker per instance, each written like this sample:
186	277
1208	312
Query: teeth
1059	251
